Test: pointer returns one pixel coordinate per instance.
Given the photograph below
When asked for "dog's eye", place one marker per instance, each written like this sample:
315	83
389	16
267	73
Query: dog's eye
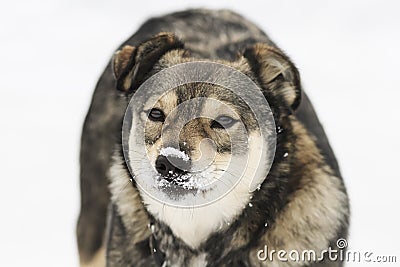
222	122
156	115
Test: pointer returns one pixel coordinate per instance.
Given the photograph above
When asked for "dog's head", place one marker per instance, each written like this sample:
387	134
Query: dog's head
192	131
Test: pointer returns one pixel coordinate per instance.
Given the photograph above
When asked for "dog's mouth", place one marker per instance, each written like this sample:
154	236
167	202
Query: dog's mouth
178	185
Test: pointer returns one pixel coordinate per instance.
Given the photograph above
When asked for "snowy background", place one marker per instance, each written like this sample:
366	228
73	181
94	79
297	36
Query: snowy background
52	53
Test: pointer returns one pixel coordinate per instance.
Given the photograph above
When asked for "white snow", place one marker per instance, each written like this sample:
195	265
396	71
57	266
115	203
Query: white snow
171	151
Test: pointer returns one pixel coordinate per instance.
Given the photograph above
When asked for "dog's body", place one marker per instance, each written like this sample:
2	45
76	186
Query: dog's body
302	204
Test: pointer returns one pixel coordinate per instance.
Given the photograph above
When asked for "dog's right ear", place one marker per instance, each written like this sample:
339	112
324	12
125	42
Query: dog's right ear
131	64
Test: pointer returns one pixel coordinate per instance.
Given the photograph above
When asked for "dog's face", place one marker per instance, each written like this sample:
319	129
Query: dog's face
192	132
189	134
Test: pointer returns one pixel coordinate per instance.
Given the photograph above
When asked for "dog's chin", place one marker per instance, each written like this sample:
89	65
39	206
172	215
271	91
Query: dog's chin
178	186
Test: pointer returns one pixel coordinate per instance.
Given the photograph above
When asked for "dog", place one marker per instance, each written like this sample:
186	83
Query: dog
301	203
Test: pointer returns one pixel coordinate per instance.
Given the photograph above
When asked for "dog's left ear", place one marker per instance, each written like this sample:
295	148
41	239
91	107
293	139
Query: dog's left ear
132	64
275	73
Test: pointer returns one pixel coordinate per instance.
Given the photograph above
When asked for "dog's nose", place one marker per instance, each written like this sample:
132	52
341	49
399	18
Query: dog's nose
169	167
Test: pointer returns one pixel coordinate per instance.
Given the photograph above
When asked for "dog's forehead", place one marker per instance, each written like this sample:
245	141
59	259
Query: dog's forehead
204	91
187	92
